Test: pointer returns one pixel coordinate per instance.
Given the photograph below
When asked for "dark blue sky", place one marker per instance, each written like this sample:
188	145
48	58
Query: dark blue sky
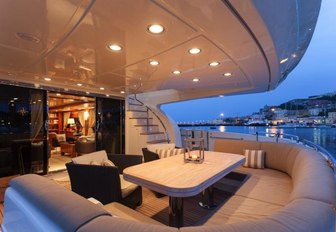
315	74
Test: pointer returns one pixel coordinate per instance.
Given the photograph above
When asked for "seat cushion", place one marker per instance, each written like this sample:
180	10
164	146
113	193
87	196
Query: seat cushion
266	185
95	157
239	209
121	211
126	187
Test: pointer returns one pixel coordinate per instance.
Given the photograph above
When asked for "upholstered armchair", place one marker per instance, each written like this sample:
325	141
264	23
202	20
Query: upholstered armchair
85	146
105	183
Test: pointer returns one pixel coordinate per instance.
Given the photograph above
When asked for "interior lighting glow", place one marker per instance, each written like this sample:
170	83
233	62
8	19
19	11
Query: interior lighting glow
177	72
196	80
155	29
122	92
102	88
154	62
194	51
214	64
79	84
47	79
227	74
115	47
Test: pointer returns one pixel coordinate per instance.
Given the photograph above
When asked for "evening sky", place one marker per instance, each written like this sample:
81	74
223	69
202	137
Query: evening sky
314	75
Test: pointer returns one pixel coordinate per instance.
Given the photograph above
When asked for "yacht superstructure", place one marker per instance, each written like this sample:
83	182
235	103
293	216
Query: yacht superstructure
151	52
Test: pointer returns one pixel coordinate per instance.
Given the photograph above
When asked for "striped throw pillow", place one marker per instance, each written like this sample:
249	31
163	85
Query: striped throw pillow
254	159
164	153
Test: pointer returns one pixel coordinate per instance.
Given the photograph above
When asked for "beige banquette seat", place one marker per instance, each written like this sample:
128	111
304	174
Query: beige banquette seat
295	192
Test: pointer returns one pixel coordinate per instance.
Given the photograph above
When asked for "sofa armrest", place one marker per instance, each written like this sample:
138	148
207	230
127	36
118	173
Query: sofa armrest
99	182
123	161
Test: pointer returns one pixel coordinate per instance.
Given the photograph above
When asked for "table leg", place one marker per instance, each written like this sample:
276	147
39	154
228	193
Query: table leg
208	198
176	211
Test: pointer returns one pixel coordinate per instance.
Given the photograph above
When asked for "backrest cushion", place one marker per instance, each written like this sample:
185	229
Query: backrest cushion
280	156
94	157
57	204
165	146
235	146
254	159
313	178
164	153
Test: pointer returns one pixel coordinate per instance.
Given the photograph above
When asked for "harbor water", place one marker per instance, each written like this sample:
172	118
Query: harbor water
322	136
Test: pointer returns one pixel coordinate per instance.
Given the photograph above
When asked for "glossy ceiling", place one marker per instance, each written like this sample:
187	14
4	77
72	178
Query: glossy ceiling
66	41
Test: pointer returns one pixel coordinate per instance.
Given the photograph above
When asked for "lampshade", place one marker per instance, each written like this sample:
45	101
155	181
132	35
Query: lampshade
86	115
71	121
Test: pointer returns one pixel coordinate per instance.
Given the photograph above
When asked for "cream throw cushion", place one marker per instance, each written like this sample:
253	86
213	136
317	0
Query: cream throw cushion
164	153
96	157
165	146
108	163
254	159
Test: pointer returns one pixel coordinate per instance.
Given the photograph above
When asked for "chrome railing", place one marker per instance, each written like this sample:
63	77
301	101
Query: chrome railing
284	137
278	136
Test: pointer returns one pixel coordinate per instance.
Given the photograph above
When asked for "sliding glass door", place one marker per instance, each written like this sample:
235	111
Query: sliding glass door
23	140
110	125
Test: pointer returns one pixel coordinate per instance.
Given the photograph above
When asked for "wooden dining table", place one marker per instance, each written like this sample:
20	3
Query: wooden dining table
173	177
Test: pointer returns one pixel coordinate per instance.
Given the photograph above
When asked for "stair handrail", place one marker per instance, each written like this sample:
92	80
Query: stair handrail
162	124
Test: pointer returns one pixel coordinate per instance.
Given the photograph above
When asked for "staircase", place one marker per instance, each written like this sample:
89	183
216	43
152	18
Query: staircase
146	126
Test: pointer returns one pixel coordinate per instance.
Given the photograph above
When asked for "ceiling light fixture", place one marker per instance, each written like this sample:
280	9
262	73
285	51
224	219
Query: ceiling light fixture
58	94
194	51
107	95
177	72
47	79
228	74
155	29
115	47
154	62
79	84
214	64
122	92
196	80
102	88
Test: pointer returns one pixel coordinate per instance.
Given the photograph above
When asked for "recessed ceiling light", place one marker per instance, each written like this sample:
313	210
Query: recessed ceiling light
115	47
155	29
194	51
177	72
122	91
154	62
102	88
58	94
214	64
87	92
228	74
283	60
196	80
15	98
107	95
47	79
79	84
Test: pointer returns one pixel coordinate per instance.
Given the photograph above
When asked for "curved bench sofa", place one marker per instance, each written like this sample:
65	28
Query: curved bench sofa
301	198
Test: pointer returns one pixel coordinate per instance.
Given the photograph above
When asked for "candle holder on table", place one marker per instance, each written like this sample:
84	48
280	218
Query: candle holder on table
194	151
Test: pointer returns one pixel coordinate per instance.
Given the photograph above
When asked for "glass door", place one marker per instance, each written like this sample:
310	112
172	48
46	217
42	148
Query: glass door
110	125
